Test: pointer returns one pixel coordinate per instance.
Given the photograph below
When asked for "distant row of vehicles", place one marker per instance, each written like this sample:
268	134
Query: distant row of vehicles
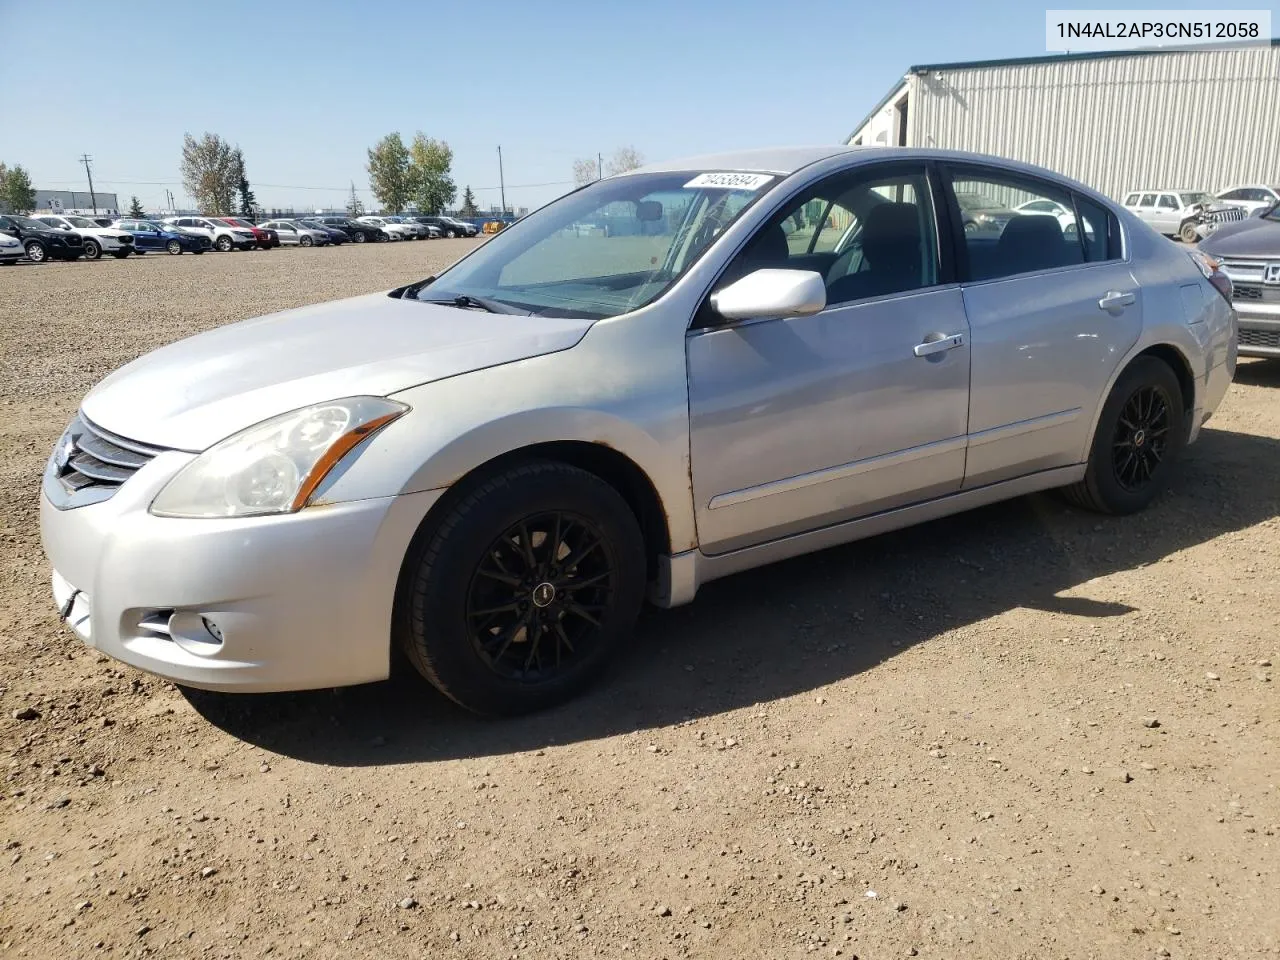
68	237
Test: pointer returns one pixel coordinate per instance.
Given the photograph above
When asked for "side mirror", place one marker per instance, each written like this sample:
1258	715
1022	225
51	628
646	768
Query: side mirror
772	293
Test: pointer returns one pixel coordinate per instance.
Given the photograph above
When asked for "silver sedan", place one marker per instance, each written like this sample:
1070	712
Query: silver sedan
666	377
296	233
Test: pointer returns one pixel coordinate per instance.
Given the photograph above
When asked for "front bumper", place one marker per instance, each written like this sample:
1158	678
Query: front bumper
1259	328
300	601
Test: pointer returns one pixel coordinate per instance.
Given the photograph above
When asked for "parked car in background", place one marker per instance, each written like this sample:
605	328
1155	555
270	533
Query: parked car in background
41	241
263	238
337	236
103	221
188	225
358	230
422	220
475	470
10	249
415	230
225	237
97	240
152	237
1050	208
981	215
1185	214
1249	252
393	230
293	233
1251	199
460	227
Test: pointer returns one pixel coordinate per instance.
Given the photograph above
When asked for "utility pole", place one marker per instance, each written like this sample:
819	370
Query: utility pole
502	183
86	160
599	166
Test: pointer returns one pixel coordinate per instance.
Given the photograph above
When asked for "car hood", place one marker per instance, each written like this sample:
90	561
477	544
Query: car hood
1253	237
104	232
191	394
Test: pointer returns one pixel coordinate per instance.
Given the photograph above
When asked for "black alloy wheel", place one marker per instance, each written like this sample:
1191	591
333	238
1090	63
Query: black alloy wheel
1141	438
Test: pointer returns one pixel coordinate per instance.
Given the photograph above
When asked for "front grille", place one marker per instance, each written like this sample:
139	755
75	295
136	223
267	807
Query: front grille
88	456
1255	294
1226	214
1260	338
126	239
1245	271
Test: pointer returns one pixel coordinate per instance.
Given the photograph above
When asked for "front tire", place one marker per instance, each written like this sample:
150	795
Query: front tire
305	242
1142	430
37	252
91	250
121	254
223	244
1187	232
517	598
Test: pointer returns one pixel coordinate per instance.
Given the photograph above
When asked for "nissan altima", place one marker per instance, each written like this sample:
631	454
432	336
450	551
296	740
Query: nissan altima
662	378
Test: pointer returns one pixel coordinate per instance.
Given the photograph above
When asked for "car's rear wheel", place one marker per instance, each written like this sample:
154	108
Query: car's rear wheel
174	247
1188	232
516	599
36	251
451	234
358	237
1140	433
91	250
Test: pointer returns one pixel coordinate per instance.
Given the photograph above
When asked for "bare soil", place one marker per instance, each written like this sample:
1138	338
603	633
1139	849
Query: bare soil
1026	732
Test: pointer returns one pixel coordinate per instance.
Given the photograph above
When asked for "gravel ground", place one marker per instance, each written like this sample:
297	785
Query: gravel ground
1026	732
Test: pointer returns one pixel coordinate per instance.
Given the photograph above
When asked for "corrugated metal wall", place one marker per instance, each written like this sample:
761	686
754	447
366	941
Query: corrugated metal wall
1204	119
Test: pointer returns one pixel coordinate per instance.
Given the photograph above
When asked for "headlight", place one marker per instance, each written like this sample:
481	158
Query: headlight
274	466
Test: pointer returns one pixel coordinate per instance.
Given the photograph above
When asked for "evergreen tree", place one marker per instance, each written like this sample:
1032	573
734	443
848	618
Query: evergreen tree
135	209
469	208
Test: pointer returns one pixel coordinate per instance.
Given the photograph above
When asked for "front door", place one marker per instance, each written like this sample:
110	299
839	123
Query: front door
800	423
1051	312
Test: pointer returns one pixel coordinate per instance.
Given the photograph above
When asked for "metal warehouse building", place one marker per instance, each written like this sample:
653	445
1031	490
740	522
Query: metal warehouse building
76	201
1202	119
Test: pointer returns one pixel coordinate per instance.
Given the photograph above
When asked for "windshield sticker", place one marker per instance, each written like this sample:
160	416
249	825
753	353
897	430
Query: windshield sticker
729	181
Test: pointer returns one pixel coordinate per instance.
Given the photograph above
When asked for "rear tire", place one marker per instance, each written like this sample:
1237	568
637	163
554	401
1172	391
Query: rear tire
358	237
517	598
174	248
1142	430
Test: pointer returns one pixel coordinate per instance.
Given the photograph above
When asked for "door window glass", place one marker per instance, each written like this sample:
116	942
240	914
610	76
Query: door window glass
868	232
1101	240
1167	202
1148	200
1003	237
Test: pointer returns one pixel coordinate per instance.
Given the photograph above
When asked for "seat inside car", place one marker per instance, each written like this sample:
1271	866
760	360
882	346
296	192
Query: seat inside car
1028	242
891	255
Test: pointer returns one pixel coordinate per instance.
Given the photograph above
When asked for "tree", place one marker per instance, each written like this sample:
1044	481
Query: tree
469	208
16	193
389	172
135	209
354	207
430	161
210	172
248	202
584	171
624	159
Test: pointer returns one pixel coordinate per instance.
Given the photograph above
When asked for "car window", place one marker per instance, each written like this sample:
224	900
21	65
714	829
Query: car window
1131	200
1167	202
1101	240
1148	200
1232	195
1005	241
870	232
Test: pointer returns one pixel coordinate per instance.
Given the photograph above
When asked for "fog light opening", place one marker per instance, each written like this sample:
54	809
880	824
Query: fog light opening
213	629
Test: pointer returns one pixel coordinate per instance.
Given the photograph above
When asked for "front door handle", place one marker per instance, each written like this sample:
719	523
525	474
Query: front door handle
1115	300
940	344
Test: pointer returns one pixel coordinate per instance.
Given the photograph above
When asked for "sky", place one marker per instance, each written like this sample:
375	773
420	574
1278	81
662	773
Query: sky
305	88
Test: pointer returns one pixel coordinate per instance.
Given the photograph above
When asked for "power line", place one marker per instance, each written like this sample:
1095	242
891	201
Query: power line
298	186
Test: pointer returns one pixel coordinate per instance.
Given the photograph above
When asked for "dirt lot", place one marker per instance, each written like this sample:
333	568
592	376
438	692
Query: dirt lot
1026	732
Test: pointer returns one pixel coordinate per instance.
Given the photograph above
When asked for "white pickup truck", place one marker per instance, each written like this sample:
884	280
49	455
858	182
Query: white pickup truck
1189	215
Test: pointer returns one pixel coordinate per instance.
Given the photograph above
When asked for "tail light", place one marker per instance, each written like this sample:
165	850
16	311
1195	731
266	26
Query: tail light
1212	271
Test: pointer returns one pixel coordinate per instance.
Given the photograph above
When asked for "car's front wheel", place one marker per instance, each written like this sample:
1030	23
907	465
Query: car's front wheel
121	254
305	242
223	244
36	251
516	599
1187	232
1142	430
91	250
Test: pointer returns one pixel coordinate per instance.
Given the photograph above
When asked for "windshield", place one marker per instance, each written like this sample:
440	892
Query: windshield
606	249
236	222
1188	199
81	222
28	224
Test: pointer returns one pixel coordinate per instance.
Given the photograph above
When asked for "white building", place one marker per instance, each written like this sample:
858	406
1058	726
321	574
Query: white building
1202	119
77	201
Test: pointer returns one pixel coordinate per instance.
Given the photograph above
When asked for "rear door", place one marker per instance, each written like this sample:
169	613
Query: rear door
1051	312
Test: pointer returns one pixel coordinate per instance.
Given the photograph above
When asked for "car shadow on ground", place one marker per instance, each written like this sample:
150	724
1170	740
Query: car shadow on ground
795	626
1259	373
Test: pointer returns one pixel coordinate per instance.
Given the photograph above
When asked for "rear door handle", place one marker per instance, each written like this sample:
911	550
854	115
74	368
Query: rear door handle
1115	300
942	344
